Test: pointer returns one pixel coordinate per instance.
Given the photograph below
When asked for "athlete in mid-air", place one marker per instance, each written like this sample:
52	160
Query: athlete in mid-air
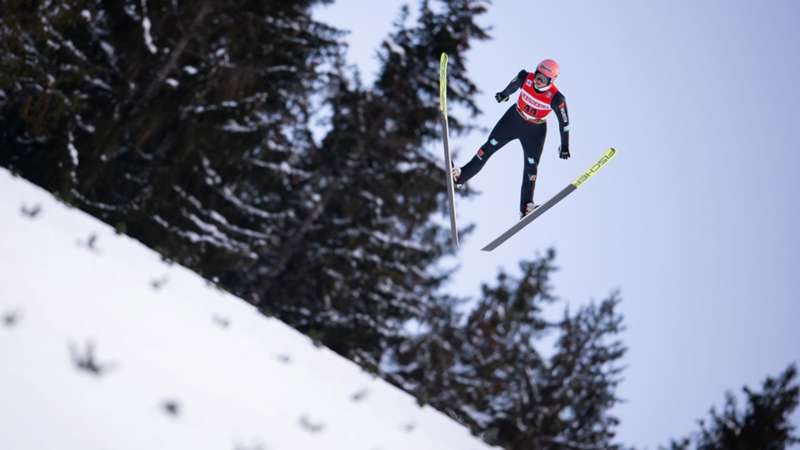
524	121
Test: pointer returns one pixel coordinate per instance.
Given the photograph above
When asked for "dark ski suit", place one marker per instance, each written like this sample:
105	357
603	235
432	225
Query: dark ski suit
525	121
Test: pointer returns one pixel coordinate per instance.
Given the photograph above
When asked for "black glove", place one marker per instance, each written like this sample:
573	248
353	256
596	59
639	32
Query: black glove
500	97
563	152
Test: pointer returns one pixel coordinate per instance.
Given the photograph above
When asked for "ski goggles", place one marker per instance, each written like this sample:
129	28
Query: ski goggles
541	78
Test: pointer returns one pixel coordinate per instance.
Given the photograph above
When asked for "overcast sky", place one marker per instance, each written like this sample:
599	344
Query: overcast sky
696	218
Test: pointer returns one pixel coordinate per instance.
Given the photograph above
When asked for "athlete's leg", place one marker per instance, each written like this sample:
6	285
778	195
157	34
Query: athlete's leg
506	129
532	144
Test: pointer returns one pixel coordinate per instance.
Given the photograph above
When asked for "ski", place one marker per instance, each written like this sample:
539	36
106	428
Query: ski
448	163
550	203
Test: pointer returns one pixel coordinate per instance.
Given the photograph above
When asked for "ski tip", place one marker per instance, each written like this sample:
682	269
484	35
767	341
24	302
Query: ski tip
443	85
609	153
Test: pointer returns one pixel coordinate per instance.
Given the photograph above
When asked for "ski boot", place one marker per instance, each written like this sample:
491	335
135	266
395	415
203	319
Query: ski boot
529	208
456	174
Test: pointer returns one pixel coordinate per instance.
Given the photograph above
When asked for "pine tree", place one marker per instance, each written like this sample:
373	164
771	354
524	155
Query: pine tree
491	373
579	384
763	423
178	122
362	261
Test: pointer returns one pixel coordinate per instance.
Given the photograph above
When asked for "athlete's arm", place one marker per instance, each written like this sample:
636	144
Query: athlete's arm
559	105
512	87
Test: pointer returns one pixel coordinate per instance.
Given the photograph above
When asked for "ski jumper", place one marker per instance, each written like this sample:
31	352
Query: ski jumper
525	121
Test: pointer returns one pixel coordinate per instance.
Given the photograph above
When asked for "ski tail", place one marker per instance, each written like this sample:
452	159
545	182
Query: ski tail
443	85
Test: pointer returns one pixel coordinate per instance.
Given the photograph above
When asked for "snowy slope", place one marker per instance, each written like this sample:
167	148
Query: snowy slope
182	365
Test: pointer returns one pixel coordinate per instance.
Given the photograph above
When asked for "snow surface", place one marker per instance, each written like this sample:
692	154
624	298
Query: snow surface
234	378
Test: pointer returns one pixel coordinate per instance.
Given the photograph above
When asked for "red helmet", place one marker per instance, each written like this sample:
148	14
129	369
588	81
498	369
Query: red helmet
548	68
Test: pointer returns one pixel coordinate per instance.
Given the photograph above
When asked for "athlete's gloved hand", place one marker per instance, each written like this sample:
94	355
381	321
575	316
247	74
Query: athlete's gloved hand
500	97
563	152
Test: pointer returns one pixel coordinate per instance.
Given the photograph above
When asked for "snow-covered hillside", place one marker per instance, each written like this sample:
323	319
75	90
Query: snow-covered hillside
104	346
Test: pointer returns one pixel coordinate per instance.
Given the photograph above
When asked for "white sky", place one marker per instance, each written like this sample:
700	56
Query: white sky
247	386
695	219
